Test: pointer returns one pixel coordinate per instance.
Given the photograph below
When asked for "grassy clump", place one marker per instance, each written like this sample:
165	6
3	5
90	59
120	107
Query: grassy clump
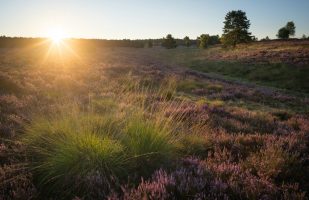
68	149
78	153
148	143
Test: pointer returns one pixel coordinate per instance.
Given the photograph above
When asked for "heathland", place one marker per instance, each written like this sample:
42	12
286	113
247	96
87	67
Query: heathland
94	122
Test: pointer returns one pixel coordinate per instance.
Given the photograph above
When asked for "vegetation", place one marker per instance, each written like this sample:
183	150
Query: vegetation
85	119
76	148
290	26
236	28
203	41
149	44
169	42
130	123
287	31
187	41
206	40
270	63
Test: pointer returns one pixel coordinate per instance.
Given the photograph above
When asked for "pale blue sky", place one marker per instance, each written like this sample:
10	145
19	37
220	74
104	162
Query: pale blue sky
118	19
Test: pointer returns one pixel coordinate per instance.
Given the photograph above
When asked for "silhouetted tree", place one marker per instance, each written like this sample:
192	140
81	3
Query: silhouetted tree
290	26
187	41
214	39
236	28
203	41
287	31
169	42
304	36
283	33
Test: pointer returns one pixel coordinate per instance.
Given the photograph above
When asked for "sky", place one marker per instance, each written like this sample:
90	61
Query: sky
142	19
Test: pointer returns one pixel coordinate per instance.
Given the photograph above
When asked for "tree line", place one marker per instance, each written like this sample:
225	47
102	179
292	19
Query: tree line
235	31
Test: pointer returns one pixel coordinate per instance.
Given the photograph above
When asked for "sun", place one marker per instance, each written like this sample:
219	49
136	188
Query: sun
56	35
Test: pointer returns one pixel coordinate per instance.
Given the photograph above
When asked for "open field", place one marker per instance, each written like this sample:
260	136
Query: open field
282	64
137	123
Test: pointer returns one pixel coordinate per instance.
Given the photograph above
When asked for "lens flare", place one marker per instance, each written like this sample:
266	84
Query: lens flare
56	35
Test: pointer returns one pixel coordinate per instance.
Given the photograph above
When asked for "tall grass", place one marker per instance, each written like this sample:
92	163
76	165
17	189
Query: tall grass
69	148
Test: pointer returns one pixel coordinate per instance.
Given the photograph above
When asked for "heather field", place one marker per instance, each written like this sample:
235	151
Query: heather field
151	123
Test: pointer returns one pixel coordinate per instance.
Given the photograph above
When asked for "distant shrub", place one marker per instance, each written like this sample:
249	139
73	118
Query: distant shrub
203	41
169	42
187	41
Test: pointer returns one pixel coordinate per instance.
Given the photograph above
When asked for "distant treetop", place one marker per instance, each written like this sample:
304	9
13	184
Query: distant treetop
287	31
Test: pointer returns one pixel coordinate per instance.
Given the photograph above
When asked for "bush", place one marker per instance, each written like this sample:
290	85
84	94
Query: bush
187	41
169	42
203	41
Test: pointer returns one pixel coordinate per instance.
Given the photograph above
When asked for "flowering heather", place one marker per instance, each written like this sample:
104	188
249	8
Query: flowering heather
119	123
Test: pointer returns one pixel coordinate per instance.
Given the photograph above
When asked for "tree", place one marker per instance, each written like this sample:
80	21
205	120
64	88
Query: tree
214	39
169	42
236	28
187	41
290	26
304	36
287	31
203	41
283	33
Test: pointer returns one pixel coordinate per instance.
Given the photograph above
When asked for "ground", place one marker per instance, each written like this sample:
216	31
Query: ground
215	123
